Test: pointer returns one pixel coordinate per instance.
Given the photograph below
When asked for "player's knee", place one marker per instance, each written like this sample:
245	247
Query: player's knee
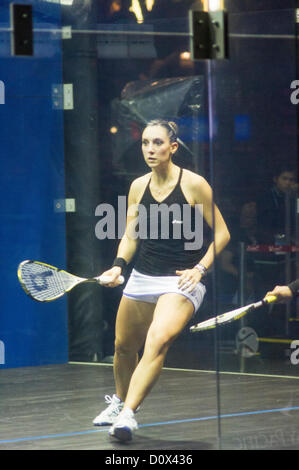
122	348
159	341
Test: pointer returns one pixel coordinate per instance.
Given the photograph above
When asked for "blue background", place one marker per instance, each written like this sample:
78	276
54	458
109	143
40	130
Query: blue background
31	179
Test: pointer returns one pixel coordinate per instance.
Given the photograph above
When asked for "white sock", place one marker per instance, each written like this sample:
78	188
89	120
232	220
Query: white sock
117	398
127	412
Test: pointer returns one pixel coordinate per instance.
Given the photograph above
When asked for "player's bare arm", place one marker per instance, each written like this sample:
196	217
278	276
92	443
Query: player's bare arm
198	191
129	243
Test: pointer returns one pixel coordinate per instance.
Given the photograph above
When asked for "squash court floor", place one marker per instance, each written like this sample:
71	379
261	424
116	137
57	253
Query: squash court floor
52	408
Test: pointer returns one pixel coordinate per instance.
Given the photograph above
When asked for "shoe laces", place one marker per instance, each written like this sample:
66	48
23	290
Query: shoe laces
108	399
114	406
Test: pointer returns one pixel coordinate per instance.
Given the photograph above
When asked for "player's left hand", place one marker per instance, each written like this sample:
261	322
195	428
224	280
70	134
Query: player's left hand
188	279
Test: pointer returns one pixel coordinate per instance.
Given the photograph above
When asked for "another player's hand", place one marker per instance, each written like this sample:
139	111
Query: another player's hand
283	293
188	279
114	274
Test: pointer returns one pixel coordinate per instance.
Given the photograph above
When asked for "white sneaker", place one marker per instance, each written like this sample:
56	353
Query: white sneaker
110	414
124	426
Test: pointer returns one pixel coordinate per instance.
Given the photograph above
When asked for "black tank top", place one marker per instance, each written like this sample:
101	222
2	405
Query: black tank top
164	229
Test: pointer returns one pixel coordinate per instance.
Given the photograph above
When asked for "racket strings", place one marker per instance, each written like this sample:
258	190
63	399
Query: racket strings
44	283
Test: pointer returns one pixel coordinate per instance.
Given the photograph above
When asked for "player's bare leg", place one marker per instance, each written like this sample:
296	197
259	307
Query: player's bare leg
132	324
171	315
133	321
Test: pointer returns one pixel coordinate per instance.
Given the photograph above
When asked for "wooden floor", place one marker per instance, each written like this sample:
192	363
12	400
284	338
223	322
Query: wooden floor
52	408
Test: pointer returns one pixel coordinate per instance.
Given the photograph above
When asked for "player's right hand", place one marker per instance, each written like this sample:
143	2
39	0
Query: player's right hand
113	275
283	293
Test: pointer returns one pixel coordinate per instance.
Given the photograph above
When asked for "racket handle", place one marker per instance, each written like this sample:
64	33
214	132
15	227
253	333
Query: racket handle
270	299
106	279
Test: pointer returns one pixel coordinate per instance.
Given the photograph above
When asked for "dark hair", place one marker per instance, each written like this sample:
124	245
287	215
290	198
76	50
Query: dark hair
170	126
283	168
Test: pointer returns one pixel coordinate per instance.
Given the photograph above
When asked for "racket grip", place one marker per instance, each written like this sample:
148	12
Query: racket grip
103	280
270	299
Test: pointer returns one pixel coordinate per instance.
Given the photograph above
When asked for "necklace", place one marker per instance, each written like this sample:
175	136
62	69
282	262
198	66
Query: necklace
162	190
166	186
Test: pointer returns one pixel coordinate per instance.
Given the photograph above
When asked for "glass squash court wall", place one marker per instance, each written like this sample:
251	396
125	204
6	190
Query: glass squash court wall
255	118
238	126
255	151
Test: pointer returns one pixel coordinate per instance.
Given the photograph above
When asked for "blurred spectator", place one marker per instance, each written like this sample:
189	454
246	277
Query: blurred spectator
248	223
273	206
229	259
116	11
172	51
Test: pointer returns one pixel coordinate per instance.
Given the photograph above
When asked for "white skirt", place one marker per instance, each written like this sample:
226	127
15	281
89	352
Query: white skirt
146	288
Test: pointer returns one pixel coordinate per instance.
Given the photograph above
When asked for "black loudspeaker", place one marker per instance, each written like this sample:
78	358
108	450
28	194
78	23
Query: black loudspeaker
22	33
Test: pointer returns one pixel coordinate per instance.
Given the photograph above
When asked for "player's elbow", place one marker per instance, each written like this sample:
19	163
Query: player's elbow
227	237
221	240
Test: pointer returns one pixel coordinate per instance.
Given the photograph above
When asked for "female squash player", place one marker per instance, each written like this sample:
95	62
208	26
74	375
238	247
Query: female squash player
164	289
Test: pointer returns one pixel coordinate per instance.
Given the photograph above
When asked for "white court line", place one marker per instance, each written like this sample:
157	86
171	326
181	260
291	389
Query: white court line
250	374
